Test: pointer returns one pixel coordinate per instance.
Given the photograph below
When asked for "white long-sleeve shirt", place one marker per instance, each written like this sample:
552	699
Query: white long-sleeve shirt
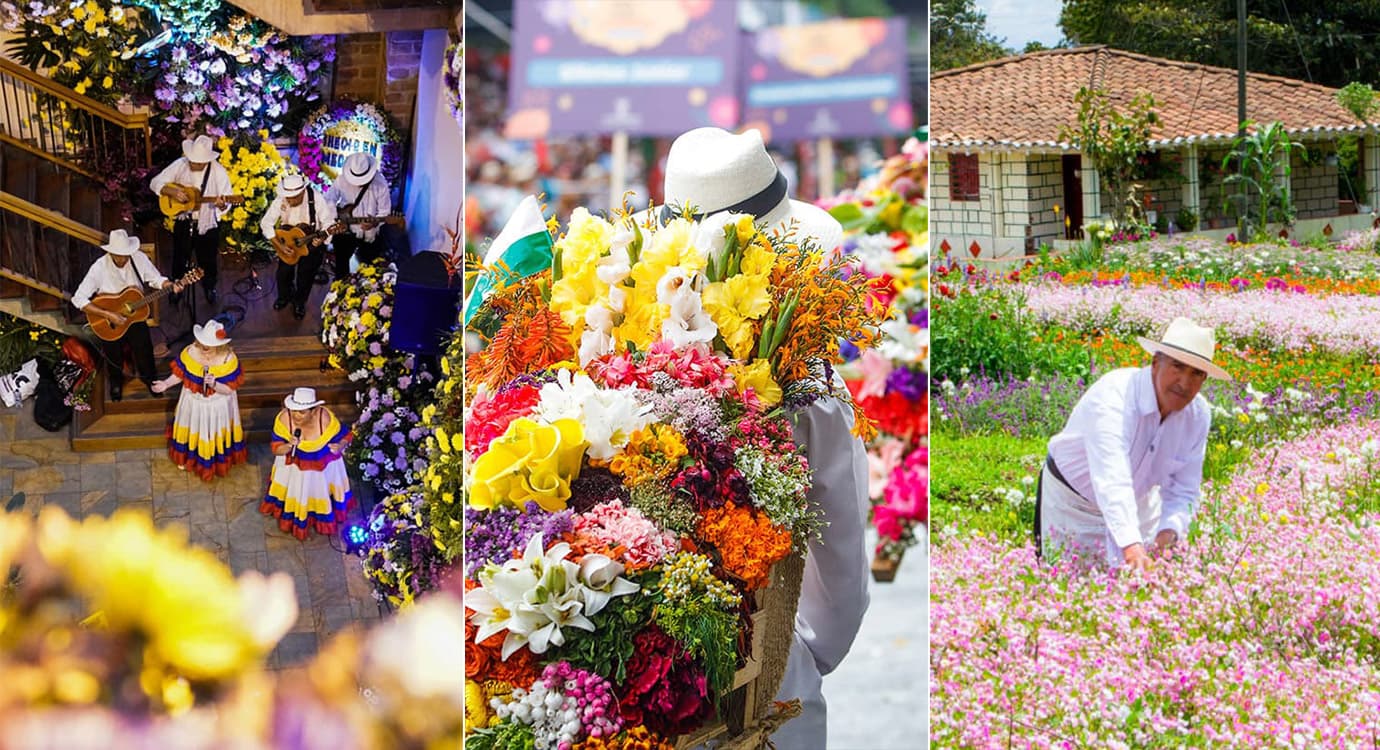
376	201
104	277
180	172
279	212
1115	449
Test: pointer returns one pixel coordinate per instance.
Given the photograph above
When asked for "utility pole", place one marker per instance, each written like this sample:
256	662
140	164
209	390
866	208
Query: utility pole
1241	111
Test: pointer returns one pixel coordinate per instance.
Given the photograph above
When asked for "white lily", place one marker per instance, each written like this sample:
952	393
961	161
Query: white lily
603	579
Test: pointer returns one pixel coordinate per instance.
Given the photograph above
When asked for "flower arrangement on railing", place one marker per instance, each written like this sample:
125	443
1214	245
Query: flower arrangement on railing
236	75
88	47
119	634
454	81
355	319
633	476
315	139
888	232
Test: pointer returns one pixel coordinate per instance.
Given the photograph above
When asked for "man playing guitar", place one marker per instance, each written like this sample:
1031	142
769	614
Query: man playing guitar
123	266
291	208
359	191
196	231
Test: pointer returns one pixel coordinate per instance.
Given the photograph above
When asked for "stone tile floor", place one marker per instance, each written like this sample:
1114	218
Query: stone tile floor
222	516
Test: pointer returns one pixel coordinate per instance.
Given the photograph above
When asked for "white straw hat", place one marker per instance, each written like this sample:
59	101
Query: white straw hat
712	170
291	184
121	243
1190	344
302	399
212	334
200	150
359	168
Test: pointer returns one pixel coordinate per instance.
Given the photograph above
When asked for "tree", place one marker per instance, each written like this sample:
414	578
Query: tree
1113	141
959	36
1328	43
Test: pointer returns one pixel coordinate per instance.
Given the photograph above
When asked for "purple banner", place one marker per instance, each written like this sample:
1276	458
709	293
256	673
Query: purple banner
645	67
844	78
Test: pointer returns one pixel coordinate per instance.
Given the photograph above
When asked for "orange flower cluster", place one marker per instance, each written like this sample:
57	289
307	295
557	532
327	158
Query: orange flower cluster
653	452
747	542
531	339
831	308
483	660
637	738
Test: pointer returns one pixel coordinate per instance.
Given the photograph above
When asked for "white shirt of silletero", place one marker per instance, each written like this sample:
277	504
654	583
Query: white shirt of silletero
180	172
280	213
1115	449
104	277
375	202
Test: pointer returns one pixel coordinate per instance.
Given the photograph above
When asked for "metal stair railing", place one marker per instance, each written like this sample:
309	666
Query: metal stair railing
56	123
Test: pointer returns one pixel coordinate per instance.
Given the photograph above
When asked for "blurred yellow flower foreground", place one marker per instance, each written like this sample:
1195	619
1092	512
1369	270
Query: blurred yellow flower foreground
114	633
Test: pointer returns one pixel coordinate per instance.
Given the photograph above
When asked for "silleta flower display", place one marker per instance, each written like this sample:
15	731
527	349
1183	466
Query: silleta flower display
633	478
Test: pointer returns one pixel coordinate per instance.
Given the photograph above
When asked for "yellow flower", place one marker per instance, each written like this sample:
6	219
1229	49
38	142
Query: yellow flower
584	242
733	304
1262	488
530	461
756	376
573	295
746	229
671	247
107	82
81	88
758	259
33	335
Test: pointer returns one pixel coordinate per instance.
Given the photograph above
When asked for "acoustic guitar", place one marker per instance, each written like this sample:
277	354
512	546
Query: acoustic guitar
292	243
194	201
131	303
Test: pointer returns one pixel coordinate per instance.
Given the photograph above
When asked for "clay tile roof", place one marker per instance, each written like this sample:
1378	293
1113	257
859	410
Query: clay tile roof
1019	103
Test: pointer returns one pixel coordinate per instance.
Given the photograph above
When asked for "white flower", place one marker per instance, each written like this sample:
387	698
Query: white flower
403	650
602	577
270	605
710	237
687	324
609	416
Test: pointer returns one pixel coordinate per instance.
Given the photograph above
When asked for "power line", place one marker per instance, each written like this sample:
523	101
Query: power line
1297	43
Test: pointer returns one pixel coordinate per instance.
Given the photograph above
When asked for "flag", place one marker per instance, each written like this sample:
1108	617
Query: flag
522	249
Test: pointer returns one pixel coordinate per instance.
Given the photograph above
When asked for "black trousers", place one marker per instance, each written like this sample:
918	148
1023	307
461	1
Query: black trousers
295	281
205	248
347	244
141	346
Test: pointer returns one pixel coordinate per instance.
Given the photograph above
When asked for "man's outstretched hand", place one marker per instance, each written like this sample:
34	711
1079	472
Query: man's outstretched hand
1136	557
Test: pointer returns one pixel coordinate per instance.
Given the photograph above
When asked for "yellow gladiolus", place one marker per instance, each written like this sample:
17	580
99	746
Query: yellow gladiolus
530	461
757	376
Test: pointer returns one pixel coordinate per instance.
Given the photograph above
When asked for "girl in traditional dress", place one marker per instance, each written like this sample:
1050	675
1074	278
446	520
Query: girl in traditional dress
206	436
308	490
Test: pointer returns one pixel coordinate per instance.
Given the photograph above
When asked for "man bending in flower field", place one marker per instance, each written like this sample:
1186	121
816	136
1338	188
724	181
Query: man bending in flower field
1134	431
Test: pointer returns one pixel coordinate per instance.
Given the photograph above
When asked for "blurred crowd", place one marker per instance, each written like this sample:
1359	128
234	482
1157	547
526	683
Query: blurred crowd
576	170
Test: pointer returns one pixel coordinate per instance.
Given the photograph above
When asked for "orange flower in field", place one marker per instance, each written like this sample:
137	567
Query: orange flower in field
747	542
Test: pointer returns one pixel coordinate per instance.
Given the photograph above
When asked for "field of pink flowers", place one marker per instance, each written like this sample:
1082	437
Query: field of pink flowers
1263	630
1262	633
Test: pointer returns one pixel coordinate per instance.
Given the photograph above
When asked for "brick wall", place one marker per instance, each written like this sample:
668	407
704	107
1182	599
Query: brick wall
404	64
1044	174
1314	187
359	67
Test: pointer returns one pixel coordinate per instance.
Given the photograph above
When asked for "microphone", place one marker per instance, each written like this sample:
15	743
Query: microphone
296	435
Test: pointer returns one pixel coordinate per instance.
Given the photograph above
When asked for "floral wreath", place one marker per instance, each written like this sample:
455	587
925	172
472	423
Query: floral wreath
454	78
310	151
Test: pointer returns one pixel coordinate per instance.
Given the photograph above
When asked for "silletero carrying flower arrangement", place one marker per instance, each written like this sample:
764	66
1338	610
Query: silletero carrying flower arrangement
637	506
